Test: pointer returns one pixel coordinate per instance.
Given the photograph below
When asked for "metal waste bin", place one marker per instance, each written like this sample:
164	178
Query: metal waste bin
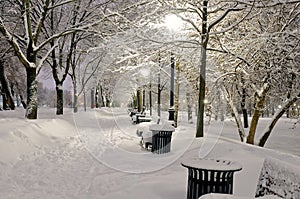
161	138
210	176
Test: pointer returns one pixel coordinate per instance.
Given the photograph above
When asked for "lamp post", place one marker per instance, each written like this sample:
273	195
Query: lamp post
172	109
173	23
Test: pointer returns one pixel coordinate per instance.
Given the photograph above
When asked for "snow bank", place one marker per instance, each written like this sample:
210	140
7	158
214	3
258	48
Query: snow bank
280	178
86	155
26	137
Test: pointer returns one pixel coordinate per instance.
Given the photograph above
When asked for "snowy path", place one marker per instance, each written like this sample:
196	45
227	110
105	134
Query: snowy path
65	168
87	156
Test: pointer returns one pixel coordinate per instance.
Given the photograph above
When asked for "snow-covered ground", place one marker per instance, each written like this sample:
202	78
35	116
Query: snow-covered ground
97	154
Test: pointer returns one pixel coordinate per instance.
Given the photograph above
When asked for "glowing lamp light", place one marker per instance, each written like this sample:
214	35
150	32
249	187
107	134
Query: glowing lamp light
173	22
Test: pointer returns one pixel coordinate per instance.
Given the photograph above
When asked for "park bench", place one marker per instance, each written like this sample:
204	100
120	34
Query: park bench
139	117
132	112
142	118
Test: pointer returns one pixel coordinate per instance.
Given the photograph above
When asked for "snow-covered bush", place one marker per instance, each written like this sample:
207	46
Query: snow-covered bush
279	178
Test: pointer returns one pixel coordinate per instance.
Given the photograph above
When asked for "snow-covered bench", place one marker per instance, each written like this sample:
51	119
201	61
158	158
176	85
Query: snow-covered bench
145	118
145	134
279	178
146	139
132	112
140	117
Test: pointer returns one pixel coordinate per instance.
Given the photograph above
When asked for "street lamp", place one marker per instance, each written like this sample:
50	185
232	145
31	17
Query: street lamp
173	23
172	109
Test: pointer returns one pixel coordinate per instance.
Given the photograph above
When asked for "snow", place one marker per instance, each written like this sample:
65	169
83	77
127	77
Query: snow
213	164
226	196
97	154
279	177
158	127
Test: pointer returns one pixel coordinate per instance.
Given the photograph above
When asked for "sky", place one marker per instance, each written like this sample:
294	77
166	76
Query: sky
45	76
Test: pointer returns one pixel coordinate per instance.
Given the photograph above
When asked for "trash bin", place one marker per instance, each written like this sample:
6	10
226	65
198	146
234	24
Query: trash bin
161	138
210	176
161	141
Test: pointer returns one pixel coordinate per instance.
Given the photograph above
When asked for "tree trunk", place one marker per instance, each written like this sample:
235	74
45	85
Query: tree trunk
4	100
23	102
107	99
100	96
134	101
235	114
275	118
260	99
144	99
75	101
97	96
189	107
59	100
139	99
158	89
8	101
238	122
84	99
217	109
244	110
201	97
18	100
253	125
55	65
92	98
150	96
32	96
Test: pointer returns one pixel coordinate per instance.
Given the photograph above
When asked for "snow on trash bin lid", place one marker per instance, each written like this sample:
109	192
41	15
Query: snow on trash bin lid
212	164
228	196
159	127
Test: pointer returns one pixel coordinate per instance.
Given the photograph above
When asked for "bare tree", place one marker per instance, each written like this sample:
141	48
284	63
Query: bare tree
268	63
61	57
204	19
23	32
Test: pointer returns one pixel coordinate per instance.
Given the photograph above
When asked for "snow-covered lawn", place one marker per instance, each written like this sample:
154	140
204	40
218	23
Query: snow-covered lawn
96	154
